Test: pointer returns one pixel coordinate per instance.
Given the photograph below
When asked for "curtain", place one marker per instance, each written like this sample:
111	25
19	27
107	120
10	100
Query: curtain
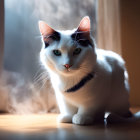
1	31
108	25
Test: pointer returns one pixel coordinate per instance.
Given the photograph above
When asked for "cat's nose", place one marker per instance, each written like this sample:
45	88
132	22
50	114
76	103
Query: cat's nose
67	66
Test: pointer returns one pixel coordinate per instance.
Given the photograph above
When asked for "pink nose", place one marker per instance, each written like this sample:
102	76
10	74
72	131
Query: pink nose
67	66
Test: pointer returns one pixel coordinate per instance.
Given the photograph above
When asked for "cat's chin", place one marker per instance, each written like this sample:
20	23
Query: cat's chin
68	72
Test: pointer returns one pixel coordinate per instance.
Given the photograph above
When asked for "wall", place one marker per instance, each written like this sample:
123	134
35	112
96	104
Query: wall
130	42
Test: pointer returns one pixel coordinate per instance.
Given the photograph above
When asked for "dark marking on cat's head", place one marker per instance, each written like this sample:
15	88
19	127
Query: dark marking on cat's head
82	38
48	33
55	36
82	34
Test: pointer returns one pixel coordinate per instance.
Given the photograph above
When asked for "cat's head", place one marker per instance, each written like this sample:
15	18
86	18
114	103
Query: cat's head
68	52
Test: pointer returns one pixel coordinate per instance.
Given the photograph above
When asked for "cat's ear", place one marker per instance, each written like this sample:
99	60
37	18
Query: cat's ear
45	29
84	25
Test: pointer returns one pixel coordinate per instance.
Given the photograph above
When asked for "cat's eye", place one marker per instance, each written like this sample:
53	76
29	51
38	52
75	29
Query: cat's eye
77	51
83	42
57	52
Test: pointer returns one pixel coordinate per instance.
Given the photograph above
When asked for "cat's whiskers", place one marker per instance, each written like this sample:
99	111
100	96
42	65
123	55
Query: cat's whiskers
44	82
41	79
38	36
40	82
37	74
40	76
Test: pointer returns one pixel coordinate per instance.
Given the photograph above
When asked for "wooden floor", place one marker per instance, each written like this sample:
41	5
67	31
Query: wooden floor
42	127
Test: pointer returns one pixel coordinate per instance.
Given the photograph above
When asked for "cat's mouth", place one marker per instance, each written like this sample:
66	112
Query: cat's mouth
69	71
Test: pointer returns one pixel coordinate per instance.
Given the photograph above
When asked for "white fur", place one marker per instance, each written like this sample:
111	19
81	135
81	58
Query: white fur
107	91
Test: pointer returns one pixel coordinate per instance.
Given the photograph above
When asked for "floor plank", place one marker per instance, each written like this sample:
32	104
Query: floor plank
45	126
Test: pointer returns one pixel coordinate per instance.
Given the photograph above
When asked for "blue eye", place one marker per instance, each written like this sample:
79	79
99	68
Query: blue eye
77	51
57	52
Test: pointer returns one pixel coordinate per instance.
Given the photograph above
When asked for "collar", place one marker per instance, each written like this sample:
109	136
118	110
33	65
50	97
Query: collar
82	82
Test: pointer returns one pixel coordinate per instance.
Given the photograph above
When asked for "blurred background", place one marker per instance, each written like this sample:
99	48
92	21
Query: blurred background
114	25
22	37
24	87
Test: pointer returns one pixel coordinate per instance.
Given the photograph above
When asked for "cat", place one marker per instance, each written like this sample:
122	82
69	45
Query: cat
87	81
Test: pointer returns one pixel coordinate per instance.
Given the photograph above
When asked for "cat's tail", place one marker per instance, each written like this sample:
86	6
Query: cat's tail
113	118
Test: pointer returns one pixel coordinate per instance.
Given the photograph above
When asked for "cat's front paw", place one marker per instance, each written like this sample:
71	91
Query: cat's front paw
64	118
82	119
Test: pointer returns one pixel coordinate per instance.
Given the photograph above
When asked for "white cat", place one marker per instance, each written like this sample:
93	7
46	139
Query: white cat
87	81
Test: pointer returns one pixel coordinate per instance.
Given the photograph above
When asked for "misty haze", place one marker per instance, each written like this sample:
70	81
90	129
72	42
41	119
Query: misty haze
24	84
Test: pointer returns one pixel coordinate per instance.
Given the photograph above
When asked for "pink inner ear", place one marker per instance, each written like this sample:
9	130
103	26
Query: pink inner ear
84	24
45	29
